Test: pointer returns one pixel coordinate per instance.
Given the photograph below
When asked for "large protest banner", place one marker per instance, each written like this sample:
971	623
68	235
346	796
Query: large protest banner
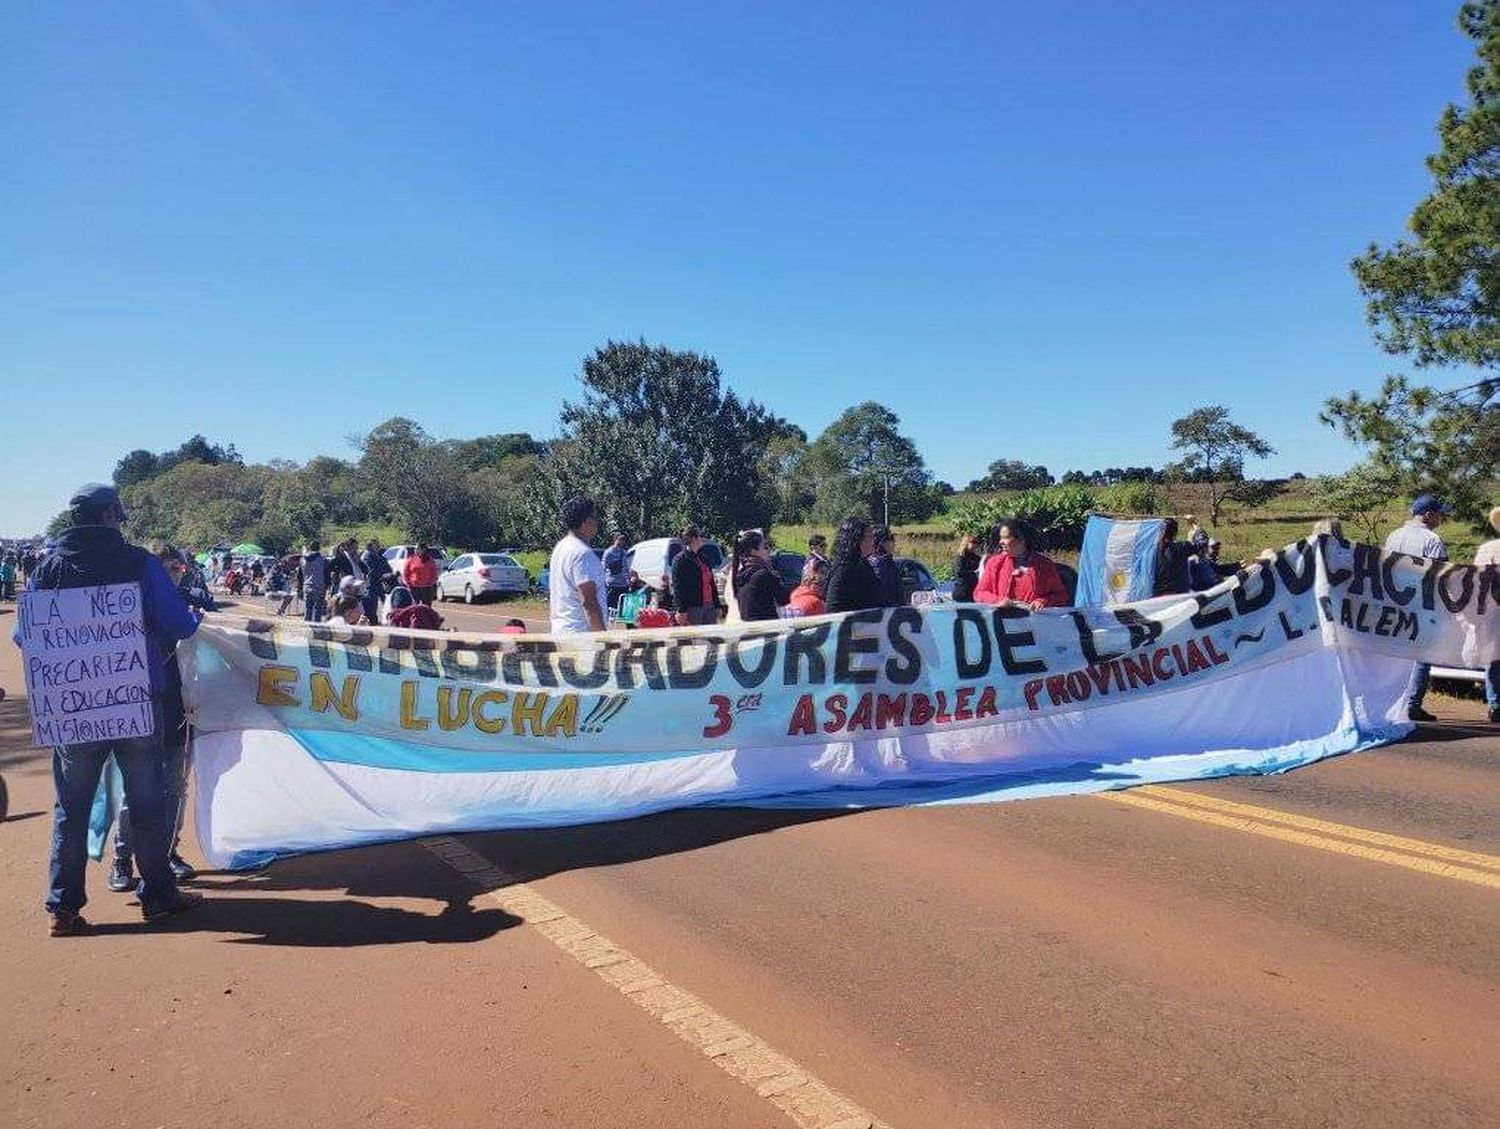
318	736
84	653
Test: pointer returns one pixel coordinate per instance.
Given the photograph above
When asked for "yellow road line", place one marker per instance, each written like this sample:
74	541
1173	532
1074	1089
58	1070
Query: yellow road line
1322	826
1271	830
788	1086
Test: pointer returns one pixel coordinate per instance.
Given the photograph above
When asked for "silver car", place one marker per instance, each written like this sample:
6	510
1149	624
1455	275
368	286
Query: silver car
476	575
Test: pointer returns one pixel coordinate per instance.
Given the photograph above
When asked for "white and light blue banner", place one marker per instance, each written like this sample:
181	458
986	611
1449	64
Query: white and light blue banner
312	737
1117	564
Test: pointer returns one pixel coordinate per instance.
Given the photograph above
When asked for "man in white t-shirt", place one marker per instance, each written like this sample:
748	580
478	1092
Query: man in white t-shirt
576	587
1418	538
1489	555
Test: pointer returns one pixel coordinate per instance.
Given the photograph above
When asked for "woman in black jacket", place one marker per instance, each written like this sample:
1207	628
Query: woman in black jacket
758	591
852	584
883	561
693	583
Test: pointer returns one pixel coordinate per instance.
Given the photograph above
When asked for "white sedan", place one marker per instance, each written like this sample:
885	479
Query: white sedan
476	575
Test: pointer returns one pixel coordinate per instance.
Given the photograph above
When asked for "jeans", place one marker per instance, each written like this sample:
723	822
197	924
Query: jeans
175	766
1416	689
371	603
314	607
1492	686
75	774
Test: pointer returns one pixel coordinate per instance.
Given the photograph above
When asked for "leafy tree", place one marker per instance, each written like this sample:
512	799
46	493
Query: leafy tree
657	441
1011	474
135	467
1436	297
1360	496
861	459
492	450
1446	442
413	476
1216	448
785	473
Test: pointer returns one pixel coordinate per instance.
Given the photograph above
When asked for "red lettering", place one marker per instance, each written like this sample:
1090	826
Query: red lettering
864	713
836	705
1078	685
1138	671
921	709
1057	690
890	711
987	707
943	716
1195	659
1213	650
1157	660
1100	675
804	720
961	710
1031	690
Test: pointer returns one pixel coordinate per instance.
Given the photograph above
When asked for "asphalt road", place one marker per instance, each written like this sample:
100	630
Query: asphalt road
1313	949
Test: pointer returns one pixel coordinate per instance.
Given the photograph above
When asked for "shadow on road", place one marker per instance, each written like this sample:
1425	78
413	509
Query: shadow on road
327	924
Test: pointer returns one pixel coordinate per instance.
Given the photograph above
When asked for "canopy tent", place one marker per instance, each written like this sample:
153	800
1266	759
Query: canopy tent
248	549
201	558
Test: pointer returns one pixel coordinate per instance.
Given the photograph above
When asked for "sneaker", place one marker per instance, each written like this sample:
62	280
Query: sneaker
1495	715
67	923
1417	713
181	870
180	902
121	875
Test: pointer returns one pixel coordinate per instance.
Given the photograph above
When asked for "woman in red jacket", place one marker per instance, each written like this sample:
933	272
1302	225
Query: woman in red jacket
1018	575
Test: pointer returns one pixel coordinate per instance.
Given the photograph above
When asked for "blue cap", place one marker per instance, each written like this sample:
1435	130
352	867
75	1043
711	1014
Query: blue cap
1429	503
97	495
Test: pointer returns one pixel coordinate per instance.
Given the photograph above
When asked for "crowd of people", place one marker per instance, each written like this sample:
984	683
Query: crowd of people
356	586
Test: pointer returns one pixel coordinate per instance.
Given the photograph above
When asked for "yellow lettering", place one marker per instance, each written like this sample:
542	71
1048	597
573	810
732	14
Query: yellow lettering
323	697
409	718
450	719
526	712
269	690
483	723
564	717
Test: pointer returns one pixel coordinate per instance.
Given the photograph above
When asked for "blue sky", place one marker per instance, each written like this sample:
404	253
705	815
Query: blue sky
1036	231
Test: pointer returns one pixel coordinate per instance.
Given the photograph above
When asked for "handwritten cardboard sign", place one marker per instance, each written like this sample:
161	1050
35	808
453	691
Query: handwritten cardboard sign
86	672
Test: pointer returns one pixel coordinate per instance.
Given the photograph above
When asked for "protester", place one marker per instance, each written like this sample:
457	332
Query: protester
1197	536
420	572
175	764
576	582
1018	575
279	583
377	576
8	576
852	584
1171	562
346	565
616	575
693	586
1418	537
1488	556
966	569
512	626
312	579
406	611
807	597
1328	527
883	562
93	553
817	549
758	591
349	608
1204	569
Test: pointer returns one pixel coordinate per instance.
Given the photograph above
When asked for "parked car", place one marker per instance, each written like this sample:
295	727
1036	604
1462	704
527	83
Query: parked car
916	578
397	554
473	576
648	559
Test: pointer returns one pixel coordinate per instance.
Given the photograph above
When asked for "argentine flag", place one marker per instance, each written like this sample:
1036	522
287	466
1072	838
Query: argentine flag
1118	562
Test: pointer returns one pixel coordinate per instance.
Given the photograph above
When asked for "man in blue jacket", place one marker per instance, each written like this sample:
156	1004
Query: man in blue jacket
94	552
